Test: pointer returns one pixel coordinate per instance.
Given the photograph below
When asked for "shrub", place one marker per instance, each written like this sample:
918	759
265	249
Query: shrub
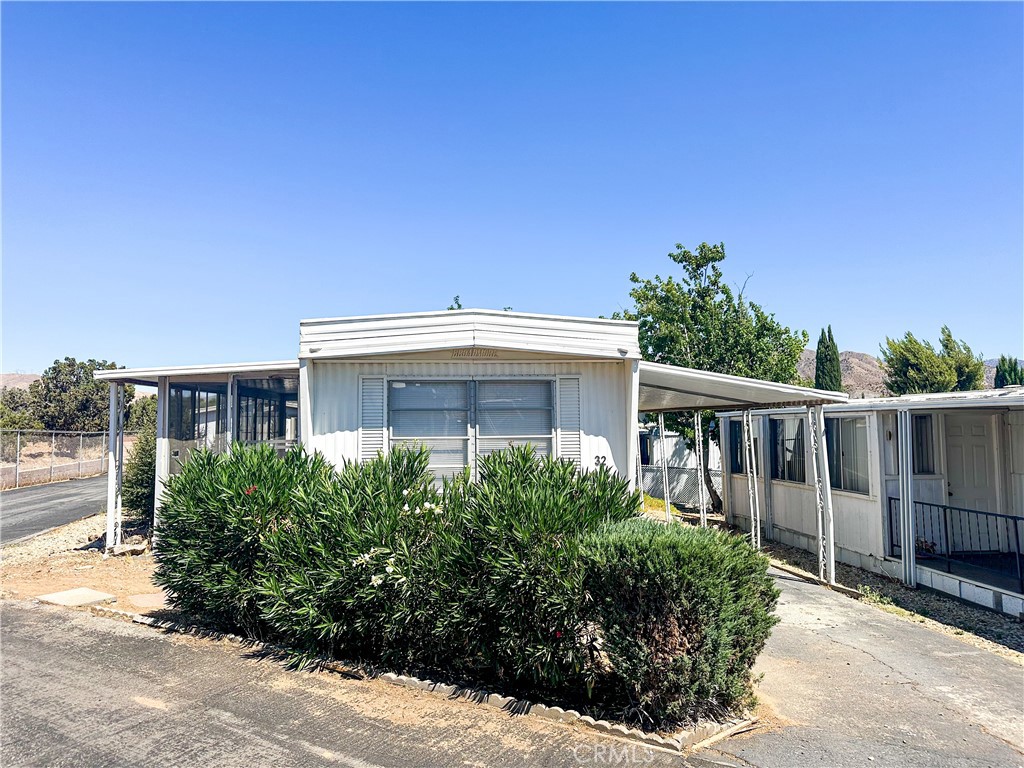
683	613
525	579
138	486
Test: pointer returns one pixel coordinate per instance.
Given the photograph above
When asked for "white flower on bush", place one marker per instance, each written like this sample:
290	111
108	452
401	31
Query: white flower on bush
405	491
405	508
376	580
362	559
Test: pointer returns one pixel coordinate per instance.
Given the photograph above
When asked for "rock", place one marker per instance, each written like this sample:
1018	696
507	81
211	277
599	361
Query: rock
130	549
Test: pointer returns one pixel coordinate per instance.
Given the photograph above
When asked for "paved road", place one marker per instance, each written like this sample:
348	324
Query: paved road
855	686
80	690
24	511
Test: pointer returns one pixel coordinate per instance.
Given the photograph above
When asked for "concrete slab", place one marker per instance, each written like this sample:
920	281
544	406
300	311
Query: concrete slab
76	597
149	602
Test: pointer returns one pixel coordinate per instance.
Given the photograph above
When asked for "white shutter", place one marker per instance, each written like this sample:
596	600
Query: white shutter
569	438
372	430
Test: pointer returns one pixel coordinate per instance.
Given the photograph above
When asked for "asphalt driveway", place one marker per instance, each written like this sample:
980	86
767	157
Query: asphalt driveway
855	686
27	511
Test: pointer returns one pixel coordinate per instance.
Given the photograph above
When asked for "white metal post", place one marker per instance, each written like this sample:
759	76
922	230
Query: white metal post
908	534
111	468
826	483
81	449
748	461
120	462
753	476
664	466
698	441
53	448
632	373
640	474
17	459
162	452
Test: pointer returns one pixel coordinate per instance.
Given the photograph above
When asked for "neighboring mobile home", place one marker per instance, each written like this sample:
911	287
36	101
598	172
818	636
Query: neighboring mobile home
954	522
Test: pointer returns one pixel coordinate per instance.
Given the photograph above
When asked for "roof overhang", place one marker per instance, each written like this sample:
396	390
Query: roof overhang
381	335
671	388
151	376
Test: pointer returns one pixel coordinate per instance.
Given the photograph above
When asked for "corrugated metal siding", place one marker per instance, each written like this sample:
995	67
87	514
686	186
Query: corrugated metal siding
334	394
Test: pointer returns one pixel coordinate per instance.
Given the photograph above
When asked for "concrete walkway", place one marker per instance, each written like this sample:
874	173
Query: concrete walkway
27	511
855	686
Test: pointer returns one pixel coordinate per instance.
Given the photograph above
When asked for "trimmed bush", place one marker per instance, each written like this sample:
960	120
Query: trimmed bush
521	580
683	613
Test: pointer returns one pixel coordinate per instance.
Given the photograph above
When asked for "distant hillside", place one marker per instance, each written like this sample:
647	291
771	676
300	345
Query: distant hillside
862	373
18	380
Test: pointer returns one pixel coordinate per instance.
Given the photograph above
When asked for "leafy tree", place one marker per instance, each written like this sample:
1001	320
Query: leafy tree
912	366
456	304
1008	372
67	397
16	410
697	321
967	367
827	372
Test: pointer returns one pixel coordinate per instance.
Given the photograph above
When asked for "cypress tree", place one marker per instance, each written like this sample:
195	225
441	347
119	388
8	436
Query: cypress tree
1008	371
827	373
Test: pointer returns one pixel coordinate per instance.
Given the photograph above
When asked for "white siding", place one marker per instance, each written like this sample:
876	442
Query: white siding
334	400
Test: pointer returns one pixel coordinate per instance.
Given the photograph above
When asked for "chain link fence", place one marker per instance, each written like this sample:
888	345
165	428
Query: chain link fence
683	487
32	457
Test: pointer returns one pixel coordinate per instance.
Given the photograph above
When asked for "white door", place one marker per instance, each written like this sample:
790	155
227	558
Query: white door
970	461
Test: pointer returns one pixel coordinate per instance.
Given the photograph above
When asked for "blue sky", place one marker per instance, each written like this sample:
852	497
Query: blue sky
183	183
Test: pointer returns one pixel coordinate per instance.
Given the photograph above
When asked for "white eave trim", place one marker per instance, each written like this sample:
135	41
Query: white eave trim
151	375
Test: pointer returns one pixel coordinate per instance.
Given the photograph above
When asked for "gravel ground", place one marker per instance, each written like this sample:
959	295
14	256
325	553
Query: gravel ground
976	626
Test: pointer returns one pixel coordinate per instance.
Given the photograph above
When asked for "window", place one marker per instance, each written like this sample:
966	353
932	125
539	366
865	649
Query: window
434	414
461	420
737	456
788	458
847	443
196	418
922	442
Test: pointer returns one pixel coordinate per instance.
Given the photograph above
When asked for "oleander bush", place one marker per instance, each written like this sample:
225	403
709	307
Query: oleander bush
683	612
536	579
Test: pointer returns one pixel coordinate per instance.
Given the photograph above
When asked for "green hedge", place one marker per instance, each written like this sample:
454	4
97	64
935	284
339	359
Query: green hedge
537	579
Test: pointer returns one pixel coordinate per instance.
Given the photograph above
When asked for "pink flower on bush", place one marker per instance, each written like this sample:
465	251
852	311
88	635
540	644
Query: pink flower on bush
250	490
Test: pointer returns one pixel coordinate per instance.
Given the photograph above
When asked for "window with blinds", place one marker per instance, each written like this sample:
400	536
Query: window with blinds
436	415
461	420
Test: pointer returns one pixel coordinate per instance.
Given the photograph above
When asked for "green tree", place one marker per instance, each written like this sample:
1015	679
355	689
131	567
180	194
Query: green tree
967	367
1008	372
142	414
67	397
697	321
16	410
913	366
456	304
827	371
139	485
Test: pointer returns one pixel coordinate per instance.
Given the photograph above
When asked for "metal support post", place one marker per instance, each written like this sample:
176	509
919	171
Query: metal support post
81	450
53	448
17	459
698	441
748	461
664	466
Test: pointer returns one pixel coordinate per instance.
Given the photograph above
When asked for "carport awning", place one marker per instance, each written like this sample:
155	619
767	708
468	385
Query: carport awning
671	388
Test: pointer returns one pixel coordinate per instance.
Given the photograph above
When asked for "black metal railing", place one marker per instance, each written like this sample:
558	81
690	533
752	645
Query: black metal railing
981	545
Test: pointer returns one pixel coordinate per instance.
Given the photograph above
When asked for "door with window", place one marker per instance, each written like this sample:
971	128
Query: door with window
970	461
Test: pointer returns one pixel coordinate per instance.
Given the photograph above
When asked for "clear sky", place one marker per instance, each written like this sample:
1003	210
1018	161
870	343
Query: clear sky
183	183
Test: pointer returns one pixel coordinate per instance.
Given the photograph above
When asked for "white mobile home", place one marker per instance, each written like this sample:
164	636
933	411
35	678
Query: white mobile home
463	383
951	519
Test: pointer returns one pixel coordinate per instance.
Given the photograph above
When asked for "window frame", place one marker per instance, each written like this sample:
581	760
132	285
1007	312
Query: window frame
835	442
473	436
779	466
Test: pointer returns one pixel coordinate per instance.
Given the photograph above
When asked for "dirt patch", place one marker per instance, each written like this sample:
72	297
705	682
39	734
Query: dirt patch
71	556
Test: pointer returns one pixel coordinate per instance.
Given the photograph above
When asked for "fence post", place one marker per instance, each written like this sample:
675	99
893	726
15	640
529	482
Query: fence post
53	448
1016	538
17	458
81	448
949	541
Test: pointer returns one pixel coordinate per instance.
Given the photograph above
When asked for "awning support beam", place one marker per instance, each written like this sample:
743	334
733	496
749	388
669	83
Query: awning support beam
751	470
664	466
698	444
823	495
908	533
